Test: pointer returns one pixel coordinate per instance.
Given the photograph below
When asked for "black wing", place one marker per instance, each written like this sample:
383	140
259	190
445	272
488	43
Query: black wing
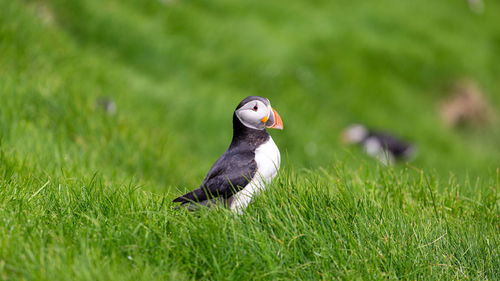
395	145
230	173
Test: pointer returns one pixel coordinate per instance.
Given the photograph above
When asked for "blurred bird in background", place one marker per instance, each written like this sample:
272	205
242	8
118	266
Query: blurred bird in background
106	104
382	145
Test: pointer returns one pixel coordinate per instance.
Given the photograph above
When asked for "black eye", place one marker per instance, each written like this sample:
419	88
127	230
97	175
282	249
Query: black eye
255	108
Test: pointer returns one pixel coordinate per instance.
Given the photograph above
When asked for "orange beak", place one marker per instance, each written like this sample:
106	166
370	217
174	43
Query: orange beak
274	120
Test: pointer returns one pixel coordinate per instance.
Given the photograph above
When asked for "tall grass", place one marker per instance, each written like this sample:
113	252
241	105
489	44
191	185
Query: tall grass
325	224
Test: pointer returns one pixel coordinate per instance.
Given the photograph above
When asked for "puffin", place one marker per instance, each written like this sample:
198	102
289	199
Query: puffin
384	146
250	162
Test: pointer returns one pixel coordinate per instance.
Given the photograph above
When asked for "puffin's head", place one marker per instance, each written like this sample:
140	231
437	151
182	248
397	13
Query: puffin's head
256	113
355	133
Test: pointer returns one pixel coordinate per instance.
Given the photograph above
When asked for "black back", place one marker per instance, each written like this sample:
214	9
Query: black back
398	147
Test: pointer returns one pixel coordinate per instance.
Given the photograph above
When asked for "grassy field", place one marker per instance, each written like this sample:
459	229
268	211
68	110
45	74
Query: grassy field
86	195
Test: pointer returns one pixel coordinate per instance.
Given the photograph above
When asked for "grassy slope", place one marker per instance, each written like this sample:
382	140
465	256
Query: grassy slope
175	72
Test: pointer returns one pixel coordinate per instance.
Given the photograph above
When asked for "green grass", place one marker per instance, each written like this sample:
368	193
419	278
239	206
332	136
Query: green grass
323	224
86	195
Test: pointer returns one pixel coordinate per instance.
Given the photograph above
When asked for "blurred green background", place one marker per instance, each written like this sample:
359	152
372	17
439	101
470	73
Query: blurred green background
177	69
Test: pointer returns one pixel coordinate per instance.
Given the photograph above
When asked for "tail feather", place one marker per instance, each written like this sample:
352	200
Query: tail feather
195	206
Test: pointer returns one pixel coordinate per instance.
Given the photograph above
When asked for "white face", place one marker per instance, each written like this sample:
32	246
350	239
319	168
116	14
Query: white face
355	133
254	114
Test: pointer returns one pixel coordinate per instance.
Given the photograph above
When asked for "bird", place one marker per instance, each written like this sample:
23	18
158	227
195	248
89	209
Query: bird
250	162
106	105
381	145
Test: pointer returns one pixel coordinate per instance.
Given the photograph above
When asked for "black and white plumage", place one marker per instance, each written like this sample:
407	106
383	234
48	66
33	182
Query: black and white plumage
251	161
382	145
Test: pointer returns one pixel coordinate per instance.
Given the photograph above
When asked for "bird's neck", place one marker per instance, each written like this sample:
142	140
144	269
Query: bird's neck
249	136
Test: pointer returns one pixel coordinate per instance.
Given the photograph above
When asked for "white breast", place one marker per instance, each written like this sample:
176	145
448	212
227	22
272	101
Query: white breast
268	160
